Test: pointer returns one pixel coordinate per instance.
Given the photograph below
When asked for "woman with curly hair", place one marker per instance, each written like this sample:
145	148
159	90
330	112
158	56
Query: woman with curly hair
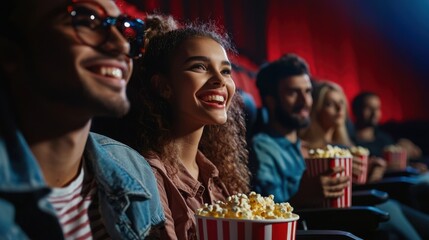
193	130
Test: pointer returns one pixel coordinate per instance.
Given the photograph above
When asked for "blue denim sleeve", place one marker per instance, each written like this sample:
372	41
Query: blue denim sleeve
8	228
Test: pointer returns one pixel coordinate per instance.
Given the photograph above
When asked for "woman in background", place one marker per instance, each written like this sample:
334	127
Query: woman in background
328	126
329	116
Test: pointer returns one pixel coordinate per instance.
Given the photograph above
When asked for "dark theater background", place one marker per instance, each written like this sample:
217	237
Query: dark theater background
375	45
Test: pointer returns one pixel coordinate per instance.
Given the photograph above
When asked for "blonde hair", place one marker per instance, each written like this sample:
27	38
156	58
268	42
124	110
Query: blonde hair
315	133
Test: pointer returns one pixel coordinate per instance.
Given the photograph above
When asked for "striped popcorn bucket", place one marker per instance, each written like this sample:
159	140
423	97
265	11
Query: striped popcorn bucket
317	166
211	228
361	178
396	159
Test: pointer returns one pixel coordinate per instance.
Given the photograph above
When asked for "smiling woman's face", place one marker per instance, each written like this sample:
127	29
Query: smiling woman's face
200	82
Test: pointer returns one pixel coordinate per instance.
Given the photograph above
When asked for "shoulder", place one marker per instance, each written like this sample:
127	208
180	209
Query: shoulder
380	134
112	156
159	170
262	139
113	147
121	169
264	149
378	131
155	162
264	142
106	141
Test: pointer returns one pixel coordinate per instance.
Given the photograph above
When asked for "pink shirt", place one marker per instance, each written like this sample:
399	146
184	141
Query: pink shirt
181	195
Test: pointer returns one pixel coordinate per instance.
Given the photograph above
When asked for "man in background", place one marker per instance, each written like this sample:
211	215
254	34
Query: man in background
277	160
366	108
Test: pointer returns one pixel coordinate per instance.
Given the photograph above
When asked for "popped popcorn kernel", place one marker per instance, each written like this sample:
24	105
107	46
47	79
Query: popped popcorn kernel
253	206
393	148
359	151
329	152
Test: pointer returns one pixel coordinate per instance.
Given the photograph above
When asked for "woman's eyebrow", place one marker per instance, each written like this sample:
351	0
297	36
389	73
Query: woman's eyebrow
196	58
205	59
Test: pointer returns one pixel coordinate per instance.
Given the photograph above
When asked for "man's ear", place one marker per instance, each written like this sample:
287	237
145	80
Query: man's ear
270	103
10	56
159	82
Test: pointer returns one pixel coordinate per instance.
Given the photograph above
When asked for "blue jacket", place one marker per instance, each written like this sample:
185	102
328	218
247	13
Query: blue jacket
277	166
127	191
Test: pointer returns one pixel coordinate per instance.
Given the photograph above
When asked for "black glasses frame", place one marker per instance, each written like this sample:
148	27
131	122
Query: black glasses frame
132	29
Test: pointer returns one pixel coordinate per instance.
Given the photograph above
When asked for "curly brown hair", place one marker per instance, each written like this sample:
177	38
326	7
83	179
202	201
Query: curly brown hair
157	24
224	144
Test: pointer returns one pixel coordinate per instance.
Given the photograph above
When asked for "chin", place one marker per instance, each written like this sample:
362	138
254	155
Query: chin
115	109
220	121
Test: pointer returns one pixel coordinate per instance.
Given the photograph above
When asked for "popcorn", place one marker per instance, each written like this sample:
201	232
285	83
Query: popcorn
396	157
241	206
393	148
359	151
329	152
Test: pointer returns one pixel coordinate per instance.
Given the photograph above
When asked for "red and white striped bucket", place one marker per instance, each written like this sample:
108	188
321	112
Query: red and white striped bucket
317	166
362	177
396	159
211	228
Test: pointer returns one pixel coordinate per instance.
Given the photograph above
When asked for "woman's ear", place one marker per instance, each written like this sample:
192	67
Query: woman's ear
160	84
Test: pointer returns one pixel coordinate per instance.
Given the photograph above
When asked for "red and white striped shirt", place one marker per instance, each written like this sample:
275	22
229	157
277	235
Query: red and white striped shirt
79	217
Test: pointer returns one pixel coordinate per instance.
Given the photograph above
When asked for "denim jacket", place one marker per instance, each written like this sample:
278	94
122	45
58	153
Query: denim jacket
277	165
127	191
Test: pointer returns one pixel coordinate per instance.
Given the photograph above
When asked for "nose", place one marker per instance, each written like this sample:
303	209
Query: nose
116	43
339	108
302	97
217	79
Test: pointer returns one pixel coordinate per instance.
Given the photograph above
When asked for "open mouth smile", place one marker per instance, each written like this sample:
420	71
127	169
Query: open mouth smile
112	76
111	72
214	100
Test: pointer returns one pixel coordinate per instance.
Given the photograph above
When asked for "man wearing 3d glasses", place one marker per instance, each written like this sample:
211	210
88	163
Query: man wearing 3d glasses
63	63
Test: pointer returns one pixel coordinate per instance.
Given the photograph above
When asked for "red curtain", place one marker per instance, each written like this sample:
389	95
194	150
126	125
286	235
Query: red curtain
344	41
244	20
374	45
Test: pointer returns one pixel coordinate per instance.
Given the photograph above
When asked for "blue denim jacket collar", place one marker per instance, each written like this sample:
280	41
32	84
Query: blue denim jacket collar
128	205
112	178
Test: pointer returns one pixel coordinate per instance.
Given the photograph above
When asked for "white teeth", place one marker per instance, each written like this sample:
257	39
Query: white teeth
111	72
216	98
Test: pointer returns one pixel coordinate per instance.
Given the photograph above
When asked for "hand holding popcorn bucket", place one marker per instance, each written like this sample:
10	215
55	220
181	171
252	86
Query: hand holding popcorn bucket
245	217
322	161
396	157
360	154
